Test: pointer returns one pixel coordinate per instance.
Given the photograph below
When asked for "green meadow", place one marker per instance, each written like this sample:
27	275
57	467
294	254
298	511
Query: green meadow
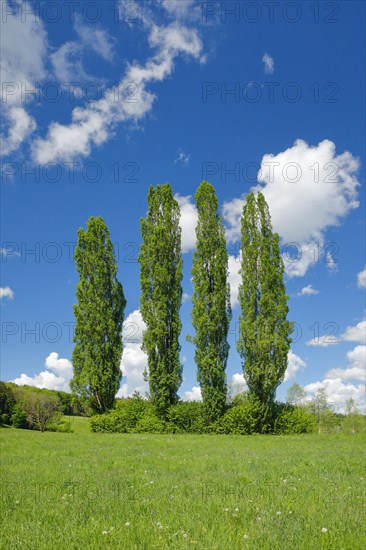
92	491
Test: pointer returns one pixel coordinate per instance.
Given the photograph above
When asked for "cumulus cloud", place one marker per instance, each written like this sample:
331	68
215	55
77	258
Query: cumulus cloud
323	341
193	395
6	292
130	100
268	63
57	376
361	278
234	279
308	291
23	51
188	221
356	333
134	360
338	392
237	384
356	367
294	364
308	189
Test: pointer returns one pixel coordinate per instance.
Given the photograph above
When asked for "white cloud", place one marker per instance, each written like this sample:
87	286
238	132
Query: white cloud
338	392
186	297
179	8
193	395
188	221
323	341
308	291
6	292
308	189
182	158
332	264
57	377
23	51
95	38
237	385
68	59
129	101
356	333
356	367
268	63
134	360
294	364
361	278
234	279
231	213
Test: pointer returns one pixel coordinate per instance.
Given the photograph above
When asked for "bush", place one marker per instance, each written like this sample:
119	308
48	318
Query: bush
63	426
294	420
150	423
186	416
123	418
240	419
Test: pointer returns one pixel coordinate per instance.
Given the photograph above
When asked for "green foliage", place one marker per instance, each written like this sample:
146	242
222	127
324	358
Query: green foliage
124	418
150	423
295	394
294	420
211	312
187	416
324	412
241	419
99	318
161	296
264	339
7	403
19	417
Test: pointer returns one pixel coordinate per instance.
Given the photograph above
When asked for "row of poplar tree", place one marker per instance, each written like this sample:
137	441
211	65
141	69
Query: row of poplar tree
264	334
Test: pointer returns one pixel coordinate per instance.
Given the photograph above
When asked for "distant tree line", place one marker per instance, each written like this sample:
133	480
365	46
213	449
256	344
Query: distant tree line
38	409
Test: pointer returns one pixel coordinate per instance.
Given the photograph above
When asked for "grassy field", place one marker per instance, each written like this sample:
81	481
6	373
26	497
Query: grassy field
95	491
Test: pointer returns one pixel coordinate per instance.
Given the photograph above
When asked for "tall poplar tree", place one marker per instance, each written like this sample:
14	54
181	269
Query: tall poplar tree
99	318
264	339
211	312
161	295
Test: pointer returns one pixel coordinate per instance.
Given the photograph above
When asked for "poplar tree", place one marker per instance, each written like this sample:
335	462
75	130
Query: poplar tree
161	296
99	317
211	312
264	338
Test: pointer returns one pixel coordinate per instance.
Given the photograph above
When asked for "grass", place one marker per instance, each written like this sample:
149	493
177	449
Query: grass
100	491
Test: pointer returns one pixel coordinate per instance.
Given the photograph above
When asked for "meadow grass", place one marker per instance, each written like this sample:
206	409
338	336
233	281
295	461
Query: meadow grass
103	491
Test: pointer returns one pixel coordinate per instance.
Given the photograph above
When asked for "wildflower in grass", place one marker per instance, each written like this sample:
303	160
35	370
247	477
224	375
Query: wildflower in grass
111	528
324	530
185	535
279	513
258	518
236	509
127	524
290	512
104	532
226	509
246	537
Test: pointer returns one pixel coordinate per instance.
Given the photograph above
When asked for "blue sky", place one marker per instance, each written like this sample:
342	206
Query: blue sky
104	99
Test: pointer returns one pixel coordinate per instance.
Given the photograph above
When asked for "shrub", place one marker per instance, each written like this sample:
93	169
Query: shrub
123	418
187	416
241	419
150	423
294	420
